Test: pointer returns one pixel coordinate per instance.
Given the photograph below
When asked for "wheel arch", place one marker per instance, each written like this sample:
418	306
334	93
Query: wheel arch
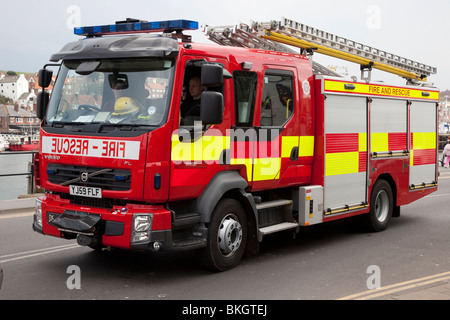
389	179
230	184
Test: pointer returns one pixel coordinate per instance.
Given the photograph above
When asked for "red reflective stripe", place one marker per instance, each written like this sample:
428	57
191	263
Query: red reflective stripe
362	165
397	141
342	142
422	157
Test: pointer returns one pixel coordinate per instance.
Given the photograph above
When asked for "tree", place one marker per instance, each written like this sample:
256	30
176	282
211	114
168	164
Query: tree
4	100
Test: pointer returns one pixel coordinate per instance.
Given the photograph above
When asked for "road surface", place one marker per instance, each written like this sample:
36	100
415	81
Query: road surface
328	261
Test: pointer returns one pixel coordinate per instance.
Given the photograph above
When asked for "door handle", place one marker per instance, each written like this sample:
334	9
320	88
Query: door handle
294	154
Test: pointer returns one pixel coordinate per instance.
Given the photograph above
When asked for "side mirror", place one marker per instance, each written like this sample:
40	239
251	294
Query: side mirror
211	108
42	102
212	75
44	78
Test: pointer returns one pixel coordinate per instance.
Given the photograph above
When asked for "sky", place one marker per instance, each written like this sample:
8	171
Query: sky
31	32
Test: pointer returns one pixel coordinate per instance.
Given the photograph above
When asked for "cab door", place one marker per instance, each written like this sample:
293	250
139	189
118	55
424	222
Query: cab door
243	134
276	150
198	151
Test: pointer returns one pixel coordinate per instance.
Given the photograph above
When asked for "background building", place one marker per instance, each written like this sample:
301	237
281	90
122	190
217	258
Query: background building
13	86
14	119
444	112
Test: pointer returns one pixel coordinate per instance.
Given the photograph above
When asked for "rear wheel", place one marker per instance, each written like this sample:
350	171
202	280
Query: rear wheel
381	206
227	236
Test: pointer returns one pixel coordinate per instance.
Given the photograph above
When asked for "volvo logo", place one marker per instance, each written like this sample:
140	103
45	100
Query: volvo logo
84	177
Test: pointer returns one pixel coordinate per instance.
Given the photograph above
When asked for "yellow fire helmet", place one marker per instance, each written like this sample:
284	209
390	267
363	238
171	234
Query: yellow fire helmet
124	105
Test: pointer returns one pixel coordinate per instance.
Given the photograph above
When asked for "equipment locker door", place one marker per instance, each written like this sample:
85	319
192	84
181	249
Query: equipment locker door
423	144
345	185
388	128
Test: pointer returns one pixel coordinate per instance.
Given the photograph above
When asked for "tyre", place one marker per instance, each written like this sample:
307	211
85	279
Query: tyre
381	206
227	236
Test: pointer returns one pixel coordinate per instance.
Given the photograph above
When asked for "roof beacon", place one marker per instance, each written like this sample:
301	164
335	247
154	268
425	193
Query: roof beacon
137	26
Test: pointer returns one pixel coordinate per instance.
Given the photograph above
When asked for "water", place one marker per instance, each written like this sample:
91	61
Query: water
12	187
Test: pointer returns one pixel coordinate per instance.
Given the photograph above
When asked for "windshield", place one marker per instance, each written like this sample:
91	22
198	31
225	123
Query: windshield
112	91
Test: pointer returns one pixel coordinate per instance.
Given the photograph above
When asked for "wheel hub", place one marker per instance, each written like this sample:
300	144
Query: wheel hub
230	235
381	206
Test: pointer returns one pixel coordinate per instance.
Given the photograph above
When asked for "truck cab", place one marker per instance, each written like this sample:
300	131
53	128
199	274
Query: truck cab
121	165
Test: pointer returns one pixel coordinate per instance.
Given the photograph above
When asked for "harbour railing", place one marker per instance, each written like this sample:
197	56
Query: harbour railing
31	188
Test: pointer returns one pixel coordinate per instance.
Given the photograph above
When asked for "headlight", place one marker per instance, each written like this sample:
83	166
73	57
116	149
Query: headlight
38	212
142	225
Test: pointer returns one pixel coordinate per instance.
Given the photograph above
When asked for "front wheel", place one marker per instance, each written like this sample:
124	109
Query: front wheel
381	206
227	236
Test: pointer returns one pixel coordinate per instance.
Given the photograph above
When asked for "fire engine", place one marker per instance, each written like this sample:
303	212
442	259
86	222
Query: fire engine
129	159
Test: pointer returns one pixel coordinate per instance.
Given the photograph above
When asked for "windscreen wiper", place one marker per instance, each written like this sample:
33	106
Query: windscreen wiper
61	124
119	126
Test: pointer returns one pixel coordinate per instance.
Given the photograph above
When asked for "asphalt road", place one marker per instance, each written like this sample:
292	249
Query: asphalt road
328	261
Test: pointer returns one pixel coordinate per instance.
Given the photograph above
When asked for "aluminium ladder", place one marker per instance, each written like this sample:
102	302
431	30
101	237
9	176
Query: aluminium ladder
271	35
244	36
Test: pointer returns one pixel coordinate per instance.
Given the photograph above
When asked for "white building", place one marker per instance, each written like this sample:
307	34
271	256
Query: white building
26	100
13	86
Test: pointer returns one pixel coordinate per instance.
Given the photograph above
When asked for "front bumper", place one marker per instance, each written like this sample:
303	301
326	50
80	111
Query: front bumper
105	227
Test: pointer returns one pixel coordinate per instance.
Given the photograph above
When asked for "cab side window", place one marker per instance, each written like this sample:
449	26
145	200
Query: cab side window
192	91
191	99
277	104
245	84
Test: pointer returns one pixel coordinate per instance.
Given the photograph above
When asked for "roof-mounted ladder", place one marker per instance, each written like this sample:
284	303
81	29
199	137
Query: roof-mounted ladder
245	36
309	39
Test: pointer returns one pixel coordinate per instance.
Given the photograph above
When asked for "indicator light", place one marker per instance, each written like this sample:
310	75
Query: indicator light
157	181
120	178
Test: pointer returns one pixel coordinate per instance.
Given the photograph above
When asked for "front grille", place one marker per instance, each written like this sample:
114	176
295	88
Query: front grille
106	179
93	202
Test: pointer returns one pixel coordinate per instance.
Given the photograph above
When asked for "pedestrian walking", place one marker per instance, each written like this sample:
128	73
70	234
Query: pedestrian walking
446	153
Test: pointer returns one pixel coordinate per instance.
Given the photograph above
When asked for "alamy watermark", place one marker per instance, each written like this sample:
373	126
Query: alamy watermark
74	18
192	146
373	17
74	280
374	280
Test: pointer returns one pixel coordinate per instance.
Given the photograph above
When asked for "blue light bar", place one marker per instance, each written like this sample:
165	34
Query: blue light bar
137	27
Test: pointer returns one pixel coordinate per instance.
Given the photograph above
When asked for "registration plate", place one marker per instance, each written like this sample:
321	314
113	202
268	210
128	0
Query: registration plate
85	191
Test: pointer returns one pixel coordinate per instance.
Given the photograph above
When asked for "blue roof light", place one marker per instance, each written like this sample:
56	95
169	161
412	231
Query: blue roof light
137	27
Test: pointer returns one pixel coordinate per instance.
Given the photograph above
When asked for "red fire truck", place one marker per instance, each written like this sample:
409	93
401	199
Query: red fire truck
130	158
